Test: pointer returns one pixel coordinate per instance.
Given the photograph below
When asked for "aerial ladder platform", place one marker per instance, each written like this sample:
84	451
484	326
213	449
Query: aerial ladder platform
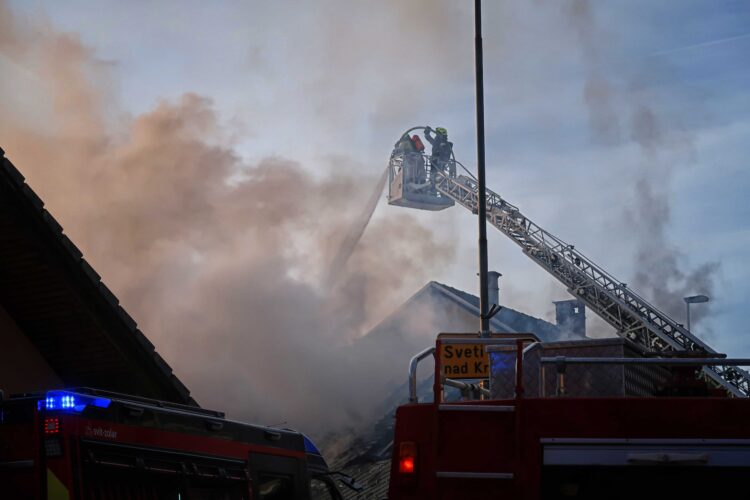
414	182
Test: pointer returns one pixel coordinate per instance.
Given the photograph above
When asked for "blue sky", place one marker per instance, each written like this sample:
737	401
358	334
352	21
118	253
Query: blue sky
314	80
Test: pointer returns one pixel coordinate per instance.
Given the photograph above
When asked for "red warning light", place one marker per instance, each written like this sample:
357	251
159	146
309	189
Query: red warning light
51	425
406	465
407	458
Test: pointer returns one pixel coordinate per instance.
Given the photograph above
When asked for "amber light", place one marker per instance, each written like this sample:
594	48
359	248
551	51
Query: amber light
52	425
407	458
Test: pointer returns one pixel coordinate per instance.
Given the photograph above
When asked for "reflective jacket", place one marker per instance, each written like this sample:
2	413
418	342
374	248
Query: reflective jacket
441	147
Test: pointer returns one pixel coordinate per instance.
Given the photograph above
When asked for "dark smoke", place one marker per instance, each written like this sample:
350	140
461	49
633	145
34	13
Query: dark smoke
663	148
660	272
660	265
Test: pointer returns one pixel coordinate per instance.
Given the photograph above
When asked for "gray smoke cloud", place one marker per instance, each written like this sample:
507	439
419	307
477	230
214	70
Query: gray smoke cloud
598	91
221	261
661	269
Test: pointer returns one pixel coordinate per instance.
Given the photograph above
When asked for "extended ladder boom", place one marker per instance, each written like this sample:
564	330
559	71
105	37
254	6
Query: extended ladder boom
630	314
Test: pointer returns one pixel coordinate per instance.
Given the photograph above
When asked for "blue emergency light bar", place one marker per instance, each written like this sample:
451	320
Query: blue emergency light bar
310	446
65	400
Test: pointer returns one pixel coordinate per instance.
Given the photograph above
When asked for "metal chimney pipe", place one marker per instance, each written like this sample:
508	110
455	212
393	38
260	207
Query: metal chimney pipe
494	287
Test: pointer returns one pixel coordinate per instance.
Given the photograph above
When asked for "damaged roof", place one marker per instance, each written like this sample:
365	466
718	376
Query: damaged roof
62	306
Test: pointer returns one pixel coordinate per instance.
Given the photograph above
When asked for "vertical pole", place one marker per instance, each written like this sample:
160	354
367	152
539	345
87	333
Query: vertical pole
437	384
519	369
484	322
688	315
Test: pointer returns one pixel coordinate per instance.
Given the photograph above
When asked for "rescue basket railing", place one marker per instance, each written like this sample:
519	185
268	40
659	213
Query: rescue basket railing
430	172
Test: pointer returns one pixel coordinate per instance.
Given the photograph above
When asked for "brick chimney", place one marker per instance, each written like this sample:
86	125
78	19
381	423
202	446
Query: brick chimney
570	316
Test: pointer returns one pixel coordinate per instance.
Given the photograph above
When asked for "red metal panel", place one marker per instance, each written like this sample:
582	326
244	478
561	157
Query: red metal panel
537	419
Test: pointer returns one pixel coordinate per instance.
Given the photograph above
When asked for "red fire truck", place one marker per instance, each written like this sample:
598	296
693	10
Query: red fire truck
91	444
590	419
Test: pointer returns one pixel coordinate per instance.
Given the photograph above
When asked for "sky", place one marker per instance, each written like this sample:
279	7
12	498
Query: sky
619	126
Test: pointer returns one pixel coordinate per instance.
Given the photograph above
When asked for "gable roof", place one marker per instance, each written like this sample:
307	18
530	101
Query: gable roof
506	320
60	303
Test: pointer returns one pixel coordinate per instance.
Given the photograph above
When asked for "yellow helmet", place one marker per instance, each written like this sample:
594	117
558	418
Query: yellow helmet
442	131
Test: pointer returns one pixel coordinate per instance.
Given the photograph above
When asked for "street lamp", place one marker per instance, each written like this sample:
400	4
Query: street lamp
693	299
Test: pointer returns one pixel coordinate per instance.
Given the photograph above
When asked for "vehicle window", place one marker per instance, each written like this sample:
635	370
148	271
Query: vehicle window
321	490
275	486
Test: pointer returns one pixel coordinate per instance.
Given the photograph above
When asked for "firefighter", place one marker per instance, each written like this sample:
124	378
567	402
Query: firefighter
405	144
442	149
411	149
420	173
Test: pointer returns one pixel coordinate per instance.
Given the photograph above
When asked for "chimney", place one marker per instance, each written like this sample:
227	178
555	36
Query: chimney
570	316
493	295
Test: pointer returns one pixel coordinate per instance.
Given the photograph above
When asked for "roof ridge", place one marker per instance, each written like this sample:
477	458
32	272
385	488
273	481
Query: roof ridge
48	223
507	308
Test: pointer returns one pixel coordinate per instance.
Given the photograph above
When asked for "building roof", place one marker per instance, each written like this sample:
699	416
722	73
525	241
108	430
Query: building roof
61	304
506	320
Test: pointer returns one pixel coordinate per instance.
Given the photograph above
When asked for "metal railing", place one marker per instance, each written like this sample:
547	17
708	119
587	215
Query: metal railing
413	397
562	362
518	343
467	388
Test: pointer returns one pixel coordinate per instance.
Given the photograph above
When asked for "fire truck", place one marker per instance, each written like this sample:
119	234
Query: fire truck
93	444
654	412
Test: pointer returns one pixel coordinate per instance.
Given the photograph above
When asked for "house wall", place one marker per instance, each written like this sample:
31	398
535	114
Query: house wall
22	368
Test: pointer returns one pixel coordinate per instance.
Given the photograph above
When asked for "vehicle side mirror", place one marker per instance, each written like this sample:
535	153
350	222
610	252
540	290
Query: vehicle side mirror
348	481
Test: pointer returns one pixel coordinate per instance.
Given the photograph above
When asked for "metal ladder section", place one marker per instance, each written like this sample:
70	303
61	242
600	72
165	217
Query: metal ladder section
630	314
